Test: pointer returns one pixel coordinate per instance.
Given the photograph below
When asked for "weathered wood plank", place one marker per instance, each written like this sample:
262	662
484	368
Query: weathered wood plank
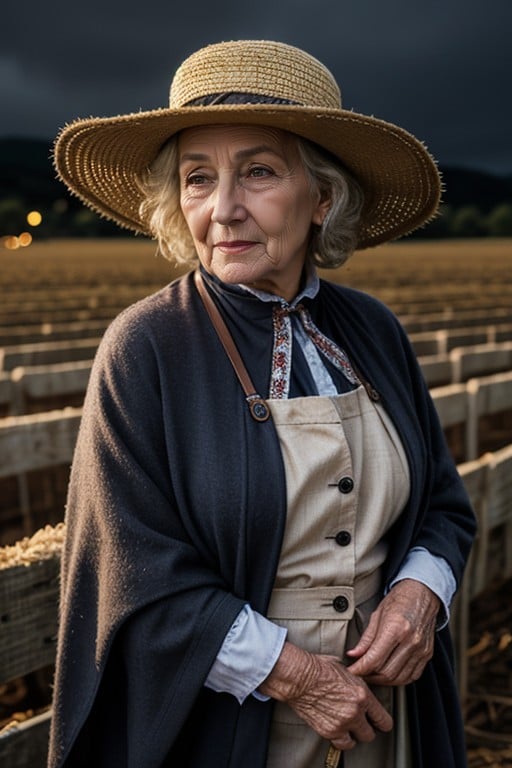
47	353
37	334
56	315
28	617
451	404
500	487
437	369
480	360
486	395
465	337
499	504
473	474
492	393
414	323
46	380
37	441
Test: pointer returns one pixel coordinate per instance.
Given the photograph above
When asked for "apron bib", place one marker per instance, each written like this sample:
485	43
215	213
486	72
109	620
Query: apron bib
347	482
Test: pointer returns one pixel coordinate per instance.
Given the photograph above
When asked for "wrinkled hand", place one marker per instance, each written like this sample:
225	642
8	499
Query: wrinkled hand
399	639
338	705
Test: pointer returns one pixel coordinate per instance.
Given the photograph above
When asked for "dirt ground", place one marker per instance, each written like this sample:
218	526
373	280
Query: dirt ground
489	706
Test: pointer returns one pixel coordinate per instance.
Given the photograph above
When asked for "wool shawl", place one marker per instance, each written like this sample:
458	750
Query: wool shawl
175	516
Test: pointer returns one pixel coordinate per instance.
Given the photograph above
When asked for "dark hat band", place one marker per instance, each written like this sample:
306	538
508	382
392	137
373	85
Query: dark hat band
233	97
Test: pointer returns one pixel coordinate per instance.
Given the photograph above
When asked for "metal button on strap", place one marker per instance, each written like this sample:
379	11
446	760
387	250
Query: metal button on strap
346	485
343	538
258	408
340	603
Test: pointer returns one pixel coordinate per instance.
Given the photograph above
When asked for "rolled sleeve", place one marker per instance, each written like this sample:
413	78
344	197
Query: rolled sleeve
435	573
247	655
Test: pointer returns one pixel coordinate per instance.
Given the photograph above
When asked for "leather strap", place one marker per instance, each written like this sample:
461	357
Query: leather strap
257	405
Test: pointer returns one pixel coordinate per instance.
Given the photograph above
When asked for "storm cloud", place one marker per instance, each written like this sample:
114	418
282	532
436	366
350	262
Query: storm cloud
440	69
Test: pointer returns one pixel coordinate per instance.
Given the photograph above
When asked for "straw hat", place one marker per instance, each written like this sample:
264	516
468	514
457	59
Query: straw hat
102	160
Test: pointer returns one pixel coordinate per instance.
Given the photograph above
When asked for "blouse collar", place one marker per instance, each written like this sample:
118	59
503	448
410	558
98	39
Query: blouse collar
309	290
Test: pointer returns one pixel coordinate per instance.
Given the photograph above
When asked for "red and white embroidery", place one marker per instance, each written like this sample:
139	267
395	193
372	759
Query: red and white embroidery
281	354
282	350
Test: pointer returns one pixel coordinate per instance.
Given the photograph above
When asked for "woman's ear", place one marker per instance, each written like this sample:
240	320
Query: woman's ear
322	208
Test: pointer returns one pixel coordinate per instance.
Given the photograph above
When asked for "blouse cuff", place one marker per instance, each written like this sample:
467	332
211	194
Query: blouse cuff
435	573
247	655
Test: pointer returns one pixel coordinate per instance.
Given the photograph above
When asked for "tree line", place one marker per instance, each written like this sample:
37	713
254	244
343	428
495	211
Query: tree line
470	221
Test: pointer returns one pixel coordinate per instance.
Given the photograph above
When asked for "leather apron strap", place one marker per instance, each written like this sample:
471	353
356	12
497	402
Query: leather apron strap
257	405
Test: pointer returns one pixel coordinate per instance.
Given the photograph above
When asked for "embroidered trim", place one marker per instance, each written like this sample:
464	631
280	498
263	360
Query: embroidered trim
281	354
330	350
282	350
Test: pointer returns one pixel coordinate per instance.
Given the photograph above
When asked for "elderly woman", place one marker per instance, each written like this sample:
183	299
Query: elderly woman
265	527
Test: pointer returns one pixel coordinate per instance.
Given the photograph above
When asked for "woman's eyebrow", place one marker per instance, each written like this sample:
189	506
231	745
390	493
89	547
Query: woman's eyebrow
193	157
258	150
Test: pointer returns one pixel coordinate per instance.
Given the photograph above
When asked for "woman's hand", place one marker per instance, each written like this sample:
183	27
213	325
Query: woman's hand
338	705
399	639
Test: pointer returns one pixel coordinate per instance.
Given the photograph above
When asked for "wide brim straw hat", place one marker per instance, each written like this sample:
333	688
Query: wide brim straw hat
104	160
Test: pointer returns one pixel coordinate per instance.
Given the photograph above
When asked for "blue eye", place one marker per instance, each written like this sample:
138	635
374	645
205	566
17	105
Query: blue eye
196	179
259	171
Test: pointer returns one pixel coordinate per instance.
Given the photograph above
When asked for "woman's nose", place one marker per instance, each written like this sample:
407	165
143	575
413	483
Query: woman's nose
228	202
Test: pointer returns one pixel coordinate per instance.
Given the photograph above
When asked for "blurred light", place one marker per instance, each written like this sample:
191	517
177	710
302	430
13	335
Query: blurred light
25	239
12	243
34	218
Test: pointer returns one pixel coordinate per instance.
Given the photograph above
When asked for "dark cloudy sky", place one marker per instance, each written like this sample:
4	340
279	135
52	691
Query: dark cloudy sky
440	68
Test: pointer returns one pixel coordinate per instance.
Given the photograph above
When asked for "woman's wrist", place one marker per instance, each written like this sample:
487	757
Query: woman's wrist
291	674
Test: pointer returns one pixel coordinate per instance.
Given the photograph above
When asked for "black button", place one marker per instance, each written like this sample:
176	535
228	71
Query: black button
343	538
346	485
340	603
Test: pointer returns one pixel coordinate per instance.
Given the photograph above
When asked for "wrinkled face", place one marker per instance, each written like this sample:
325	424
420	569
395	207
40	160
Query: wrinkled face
248	204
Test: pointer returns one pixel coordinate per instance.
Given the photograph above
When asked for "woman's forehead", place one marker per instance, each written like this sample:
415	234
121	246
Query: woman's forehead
234	136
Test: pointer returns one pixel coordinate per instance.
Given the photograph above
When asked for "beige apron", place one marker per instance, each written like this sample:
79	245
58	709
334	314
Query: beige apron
347	481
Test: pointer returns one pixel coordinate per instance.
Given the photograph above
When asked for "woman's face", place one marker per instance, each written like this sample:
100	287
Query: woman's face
248	204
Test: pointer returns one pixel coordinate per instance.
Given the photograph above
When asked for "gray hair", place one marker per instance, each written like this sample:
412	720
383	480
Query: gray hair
331	244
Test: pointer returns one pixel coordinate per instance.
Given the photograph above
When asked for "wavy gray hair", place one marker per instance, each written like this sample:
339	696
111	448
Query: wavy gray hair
331	244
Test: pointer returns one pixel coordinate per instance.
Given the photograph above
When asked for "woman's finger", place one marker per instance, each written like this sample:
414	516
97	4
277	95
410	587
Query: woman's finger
344	744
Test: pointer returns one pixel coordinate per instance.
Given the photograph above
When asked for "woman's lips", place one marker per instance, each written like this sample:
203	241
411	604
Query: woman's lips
234	246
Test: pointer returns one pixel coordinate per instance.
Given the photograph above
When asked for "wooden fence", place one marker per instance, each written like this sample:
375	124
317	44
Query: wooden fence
450	319
28	388
443	341
44	369
463	363
29	592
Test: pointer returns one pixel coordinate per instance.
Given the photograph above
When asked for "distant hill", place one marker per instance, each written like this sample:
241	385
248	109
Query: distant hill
26	171
464	186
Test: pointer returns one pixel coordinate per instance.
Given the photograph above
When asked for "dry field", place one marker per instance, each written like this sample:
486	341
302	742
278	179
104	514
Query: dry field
71	280
81	265
476	265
